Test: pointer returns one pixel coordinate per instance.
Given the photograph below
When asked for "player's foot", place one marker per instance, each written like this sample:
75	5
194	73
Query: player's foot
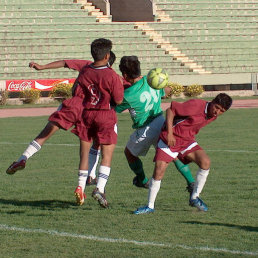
79	195
190	188
199	204
143	210
137	182
100	197
17	165
91	181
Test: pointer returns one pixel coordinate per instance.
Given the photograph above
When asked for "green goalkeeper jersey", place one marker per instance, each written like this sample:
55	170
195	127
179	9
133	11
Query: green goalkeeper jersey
143	103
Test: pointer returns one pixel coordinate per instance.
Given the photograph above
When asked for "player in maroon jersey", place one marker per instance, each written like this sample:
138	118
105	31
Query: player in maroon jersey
177	139
101	85
67	115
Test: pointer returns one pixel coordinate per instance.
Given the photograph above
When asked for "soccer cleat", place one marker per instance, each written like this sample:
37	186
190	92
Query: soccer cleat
79	195
100	197
199	204
91	181
17	165
143	210
138	183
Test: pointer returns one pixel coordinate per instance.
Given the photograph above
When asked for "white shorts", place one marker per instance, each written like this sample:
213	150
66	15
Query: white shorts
167	154
141	139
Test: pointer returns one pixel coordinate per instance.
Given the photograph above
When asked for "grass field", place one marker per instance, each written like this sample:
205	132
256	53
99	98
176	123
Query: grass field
39	217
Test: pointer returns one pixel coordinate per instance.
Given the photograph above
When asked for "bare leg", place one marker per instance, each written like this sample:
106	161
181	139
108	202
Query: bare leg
46	133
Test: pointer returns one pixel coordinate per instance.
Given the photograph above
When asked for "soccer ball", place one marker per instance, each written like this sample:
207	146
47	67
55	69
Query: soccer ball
157	78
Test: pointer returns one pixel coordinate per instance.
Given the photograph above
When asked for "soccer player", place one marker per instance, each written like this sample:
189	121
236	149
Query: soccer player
144	105
183	122
68	114
101	86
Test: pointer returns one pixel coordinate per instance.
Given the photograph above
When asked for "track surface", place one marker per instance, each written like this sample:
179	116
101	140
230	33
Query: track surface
25	112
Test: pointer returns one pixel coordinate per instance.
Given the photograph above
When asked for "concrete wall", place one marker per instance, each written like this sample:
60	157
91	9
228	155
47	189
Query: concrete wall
131	10
212	79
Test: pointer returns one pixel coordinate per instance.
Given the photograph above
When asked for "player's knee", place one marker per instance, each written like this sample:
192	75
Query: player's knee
126	152
205	163
129	156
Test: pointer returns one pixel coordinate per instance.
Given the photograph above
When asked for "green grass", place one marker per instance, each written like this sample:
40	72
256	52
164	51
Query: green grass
54	104
37	204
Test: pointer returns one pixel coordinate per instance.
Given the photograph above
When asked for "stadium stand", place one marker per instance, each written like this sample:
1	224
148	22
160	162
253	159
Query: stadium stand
203	41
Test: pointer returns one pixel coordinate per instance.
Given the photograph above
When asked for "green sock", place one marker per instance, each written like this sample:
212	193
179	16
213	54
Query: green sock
184	170
137	168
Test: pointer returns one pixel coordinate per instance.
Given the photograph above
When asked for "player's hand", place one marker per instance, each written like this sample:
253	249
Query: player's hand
35	66
171	140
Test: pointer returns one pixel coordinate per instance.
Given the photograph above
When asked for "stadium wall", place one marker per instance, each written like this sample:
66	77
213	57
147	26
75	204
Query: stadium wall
136	10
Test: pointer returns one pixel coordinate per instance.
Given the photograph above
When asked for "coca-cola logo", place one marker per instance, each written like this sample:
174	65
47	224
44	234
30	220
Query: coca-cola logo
19	86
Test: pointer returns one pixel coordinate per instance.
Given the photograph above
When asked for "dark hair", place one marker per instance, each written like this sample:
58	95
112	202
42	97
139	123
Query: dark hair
130	65
112	58
223	100
100	47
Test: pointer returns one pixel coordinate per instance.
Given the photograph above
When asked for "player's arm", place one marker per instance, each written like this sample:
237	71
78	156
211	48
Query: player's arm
118	90
52	65
71	64
167	92
169	125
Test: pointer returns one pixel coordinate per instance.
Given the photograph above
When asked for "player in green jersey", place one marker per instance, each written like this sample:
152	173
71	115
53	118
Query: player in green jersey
144	105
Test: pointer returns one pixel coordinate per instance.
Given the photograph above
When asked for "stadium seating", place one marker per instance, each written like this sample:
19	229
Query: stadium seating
188	37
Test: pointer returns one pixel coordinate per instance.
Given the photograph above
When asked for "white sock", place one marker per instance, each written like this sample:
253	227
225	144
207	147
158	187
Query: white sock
104	173
201	177
31	150
82	178
93	162
153	191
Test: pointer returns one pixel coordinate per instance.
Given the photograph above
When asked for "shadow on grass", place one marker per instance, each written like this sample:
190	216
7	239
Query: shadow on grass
43	204
246	228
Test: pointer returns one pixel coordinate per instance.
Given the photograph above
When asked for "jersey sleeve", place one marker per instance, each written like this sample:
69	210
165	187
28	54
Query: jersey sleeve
188	108
77	64
162	93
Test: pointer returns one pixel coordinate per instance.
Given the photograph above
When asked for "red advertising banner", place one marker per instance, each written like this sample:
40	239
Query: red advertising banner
43	85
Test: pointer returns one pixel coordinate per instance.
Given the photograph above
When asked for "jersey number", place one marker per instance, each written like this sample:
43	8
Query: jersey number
149	97
95	94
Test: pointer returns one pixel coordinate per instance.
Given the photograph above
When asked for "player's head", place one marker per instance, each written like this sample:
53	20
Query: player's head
221	103
130	67
112	59
100	49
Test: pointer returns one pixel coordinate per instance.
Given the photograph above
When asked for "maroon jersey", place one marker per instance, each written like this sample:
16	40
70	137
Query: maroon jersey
190	117
100	86
77	65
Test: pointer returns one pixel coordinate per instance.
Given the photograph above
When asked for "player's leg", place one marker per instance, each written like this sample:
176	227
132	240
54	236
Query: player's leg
83	171
104	132
65	117
33	147
203	161
139	144
93	162
155	182
136	166
103	175
185	171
